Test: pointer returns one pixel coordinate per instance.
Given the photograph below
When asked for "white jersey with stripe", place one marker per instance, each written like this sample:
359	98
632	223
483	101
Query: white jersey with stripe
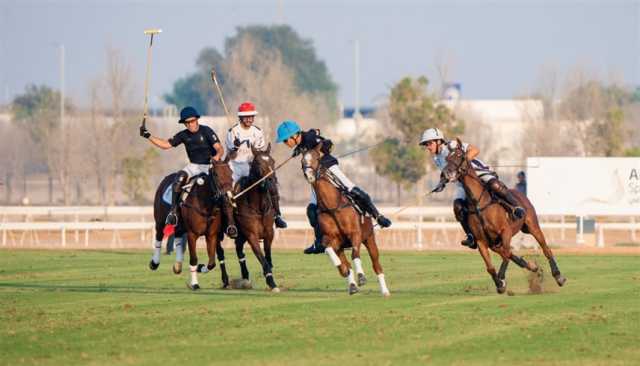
241	164
483	170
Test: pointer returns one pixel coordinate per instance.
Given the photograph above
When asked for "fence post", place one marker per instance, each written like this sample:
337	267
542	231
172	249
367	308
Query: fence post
63	234
580	238
600	243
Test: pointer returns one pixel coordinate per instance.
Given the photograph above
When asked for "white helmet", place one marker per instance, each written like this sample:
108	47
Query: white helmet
431	134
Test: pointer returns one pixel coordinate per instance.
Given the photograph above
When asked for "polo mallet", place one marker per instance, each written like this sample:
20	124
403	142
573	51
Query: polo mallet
150	32
260	180
214	78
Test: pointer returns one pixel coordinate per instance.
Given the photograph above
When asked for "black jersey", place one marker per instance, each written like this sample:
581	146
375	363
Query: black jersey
199	145
311	139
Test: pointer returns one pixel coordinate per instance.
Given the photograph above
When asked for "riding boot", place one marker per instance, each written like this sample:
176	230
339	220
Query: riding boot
172	217
498	187
312	215
364	201
462	215
275	201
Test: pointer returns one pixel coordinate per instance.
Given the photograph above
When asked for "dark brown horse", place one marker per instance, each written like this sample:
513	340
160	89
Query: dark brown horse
203	212
255	216
342	225
492	225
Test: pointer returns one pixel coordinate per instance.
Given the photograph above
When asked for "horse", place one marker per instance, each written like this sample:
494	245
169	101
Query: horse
255	216
493	225
203	212
342	224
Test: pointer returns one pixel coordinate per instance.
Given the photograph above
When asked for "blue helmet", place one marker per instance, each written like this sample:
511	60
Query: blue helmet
287	129
186	113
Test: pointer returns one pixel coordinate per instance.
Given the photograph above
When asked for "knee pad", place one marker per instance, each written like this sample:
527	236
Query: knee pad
497	186
460	209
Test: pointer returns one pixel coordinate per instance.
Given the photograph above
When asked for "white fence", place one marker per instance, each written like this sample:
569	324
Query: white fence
67	221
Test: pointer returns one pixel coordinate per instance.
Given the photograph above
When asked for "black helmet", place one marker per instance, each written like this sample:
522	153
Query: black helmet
522	174
186	113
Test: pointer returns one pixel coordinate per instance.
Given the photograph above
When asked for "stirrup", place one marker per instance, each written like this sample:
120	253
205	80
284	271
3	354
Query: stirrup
280	223
519	212
383	221
172	219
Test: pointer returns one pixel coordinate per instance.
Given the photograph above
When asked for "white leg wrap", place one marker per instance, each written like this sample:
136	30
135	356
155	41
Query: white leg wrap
194	275
178	243
351	279
383	284
335	169
333	256
204	269
358	264
157	248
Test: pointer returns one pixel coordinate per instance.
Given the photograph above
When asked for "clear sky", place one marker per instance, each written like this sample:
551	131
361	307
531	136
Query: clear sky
496	49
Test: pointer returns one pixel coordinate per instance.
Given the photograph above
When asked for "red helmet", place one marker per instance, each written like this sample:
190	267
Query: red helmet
247	109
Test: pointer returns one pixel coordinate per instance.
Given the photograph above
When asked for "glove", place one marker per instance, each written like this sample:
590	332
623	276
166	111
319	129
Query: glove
144	132
439	187
236	142
297	151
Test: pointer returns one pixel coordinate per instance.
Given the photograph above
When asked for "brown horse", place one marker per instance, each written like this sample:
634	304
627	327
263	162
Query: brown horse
255	216
492	225
202	215
342	225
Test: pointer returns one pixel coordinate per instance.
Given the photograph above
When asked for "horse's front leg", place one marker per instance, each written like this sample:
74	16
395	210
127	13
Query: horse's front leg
242	258
266	268
193	261
352	287
180	247
356	241
484	252
223	266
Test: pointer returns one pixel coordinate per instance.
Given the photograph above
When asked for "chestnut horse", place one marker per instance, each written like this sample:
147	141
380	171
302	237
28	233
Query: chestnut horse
342	225
492	225
255	216
204	212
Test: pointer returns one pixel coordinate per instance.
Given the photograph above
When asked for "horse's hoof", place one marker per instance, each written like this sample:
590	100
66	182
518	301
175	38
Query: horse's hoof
194	287
153	265
353	289
275	290
560	280
386	294
362	280
503	287
177	268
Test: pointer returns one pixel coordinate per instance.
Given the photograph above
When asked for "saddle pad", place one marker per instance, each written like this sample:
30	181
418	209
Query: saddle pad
167	195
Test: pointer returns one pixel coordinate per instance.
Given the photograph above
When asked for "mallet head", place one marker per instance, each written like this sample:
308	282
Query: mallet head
152	31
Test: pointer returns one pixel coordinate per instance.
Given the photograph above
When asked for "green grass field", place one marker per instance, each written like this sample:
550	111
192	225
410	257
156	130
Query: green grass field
90	307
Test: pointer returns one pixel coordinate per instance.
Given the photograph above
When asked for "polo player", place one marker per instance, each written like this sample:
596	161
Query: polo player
434	142
240	138
292	135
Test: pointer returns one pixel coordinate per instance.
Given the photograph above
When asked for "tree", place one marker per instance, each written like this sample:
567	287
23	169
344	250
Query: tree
596	111
298	55
411	110
136	171
37	111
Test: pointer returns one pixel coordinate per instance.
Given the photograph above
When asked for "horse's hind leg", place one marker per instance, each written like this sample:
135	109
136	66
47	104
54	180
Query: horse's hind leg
534	229
154	263
180	247
242	258
372	248
223	266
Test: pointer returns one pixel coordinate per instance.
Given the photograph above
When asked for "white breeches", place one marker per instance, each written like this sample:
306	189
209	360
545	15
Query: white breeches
194	169
239	169
335	169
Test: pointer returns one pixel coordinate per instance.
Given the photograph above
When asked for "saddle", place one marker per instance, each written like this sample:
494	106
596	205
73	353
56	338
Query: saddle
345	193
